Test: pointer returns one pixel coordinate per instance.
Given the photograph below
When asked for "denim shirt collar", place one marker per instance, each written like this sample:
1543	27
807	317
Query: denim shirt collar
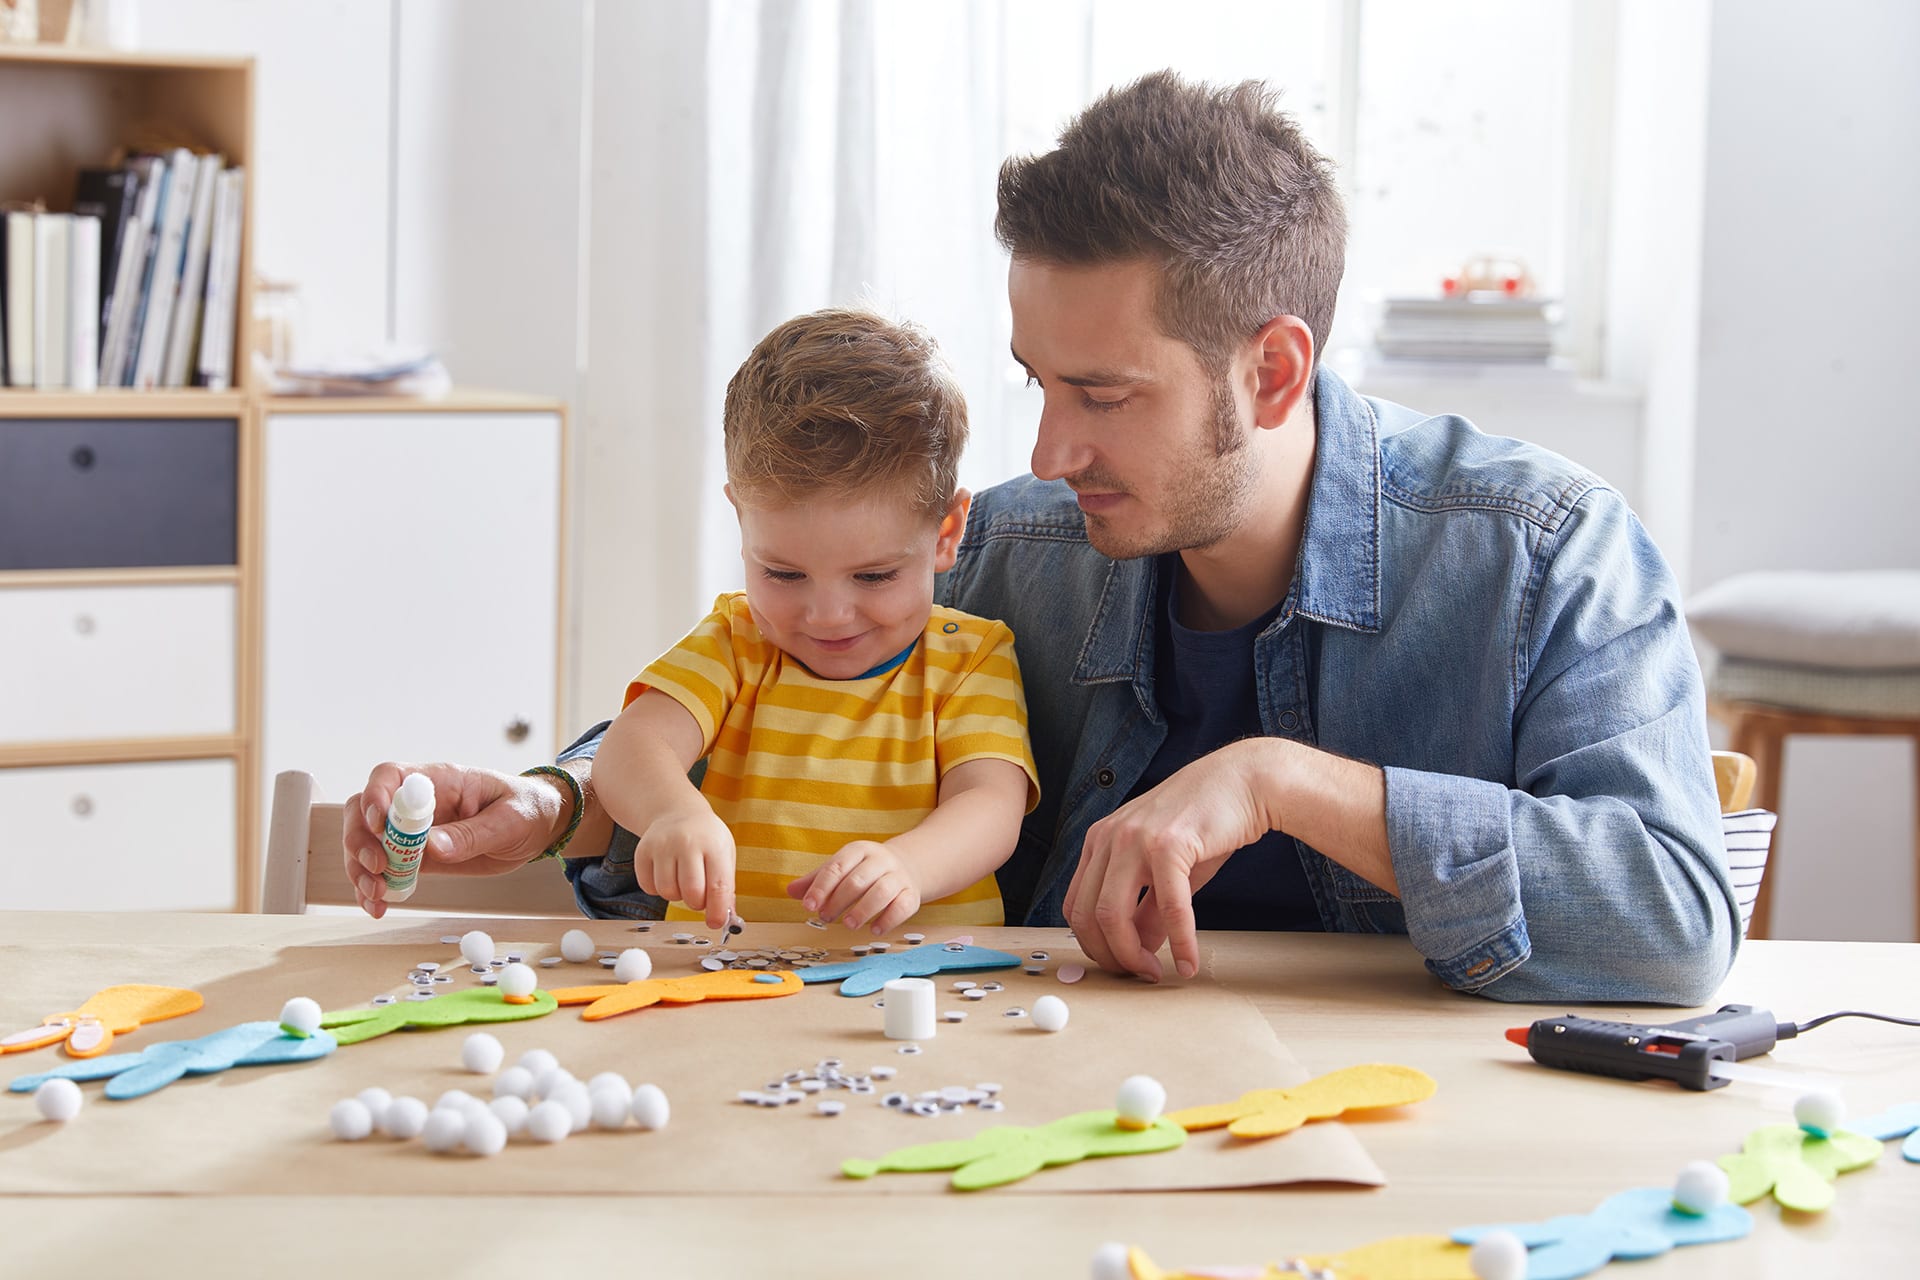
1337	577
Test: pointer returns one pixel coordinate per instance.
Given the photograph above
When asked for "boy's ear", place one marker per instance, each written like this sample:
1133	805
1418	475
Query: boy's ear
731	500
946	545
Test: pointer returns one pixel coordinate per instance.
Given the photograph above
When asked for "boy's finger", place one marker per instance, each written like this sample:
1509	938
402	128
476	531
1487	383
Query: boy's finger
691	867
825	880
719	897
870	904
797	888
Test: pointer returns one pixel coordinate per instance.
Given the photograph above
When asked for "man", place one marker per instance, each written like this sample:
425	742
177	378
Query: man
1297	659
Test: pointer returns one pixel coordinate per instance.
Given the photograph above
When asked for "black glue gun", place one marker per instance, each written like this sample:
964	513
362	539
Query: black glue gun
1692	1052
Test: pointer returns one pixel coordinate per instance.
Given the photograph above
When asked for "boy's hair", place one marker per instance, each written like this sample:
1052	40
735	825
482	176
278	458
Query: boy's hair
843	401
1214	184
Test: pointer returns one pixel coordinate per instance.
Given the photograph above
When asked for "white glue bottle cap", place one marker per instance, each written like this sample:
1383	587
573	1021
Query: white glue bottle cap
408	819
414	800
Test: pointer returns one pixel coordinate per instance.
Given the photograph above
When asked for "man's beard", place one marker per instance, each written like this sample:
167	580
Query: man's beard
1205	503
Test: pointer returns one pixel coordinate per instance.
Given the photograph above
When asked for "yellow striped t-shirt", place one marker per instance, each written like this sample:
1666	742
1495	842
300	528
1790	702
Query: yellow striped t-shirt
799	765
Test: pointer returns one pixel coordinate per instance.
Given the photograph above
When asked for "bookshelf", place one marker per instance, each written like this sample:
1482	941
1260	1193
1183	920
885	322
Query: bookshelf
129	544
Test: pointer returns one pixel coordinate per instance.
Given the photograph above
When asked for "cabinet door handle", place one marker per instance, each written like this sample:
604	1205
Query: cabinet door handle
518	730
82	458
83	806
83	623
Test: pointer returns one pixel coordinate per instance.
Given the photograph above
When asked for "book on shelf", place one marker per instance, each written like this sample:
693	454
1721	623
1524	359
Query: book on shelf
138	287
1472	327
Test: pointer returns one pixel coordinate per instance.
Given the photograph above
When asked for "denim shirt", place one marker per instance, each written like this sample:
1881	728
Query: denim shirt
1484	620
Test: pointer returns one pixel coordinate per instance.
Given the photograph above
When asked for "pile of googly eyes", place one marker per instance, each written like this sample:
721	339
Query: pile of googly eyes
536	1098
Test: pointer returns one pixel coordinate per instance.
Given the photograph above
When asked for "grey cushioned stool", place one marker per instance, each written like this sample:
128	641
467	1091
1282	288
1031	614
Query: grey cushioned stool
1811	653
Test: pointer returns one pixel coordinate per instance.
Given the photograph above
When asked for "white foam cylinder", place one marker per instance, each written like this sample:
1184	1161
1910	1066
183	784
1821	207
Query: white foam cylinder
909	1009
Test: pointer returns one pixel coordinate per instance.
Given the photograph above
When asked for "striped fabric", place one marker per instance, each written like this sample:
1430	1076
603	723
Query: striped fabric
1749	836
799	766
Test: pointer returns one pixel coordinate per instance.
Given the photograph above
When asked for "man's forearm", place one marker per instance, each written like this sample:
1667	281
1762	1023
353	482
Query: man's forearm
1334	805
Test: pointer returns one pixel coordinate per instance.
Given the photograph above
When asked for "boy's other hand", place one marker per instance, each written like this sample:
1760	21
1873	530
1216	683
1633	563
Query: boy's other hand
484	823
864	882
686	855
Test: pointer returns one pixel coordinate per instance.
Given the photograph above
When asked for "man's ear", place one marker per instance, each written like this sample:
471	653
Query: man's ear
946	545
1281	368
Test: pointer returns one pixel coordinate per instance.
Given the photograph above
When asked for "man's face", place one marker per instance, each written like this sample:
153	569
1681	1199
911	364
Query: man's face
1132	420
843	583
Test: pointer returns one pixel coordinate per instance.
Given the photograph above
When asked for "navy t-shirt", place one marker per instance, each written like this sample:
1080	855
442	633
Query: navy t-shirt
1204	682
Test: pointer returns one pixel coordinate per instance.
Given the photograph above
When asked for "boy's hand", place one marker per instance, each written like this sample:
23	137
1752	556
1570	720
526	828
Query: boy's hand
686	855
864	881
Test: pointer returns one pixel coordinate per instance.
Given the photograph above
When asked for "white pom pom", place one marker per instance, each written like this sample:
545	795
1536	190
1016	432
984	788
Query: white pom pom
549	1122
486	1134
1110	1262
579	1103
518	980
1141	1100
609	1107
350	1119
634	965
609	1080
511	1112
650	1109
376	1100
1819	1112
538	1060
1701	1188
58	1099
548	1082
1498	1255
405	1118
481	1054
1050	1013
477	946
455	1098
300	1017
514	1082
445	1130
576	945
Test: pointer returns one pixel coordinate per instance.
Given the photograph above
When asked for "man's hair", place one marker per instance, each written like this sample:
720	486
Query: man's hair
1216	185
844	401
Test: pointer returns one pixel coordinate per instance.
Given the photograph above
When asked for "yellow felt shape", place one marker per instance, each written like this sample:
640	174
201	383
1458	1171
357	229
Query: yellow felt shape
1263	1113
90	1029
1396	1258
723	984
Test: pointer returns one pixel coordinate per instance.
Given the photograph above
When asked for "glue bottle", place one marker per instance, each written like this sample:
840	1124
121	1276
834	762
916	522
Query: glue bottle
409	818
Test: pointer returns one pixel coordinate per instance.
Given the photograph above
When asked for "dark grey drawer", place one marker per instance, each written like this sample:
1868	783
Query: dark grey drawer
101	493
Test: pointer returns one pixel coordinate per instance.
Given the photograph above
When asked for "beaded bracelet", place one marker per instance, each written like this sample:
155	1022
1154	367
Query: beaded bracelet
579	804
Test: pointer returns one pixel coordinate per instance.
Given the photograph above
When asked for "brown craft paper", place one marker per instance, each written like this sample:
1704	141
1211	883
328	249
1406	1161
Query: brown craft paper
263	1130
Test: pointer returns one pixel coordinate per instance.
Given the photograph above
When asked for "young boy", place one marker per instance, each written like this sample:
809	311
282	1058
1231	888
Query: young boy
867	754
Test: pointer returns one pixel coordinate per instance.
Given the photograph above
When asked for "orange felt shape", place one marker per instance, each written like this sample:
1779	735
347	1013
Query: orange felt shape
723	984
1263	1113
90	1029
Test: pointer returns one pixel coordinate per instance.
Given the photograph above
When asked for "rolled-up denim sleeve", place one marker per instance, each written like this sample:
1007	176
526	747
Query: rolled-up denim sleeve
1600	872
604	883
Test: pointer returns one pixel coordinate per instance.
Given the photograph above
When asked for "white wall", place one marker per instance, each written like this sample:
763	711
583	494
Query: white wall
1806	438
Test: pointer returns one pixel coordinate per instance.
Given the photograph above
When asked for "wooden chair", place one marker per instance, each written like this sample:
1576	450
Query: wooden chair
1748	831
1761	730
306	867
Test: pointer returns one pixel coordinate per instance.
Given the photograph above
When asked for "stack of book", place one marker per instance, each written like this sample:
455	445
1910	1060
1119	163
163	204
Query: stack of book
138	287
1480	327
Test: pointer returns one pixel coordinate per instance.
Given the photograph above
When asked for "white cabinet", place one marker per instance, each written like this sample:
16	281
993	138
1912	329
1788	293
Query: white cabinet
410	588
120	837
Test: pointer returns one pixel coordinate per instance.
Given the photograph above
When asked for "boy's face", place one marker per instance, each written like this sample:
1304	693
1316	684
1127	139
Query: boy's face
844	582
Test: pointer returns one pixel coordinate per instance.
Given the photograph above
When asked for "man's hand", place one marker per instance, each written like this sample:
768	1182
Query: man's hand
864	881
484	823
686	855
1167	843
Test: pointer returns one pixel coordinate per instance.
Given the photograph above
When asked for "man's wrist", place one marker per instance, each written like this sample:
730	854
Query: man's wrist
1267	768
571	790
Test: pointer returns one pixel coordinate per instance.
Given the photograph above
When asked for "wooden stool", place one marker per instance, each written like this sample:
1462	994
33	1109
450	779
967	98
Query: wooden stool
1761	731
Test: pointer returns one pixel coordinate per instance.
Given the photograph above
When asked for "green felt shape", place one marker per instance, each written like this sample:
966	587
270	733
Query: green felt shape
1641	1223
1902	1121
456	1008
1008	1153
1796	1166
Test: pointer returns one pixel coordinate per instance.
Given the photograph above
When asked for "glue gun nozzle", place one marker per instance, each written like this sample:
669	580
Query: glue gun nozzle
1518	1035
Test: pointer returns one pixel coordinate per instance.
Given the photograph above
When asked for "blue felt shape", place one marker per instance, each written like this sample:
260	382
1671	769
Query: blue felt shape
1641	1223
1892	1123
134	1075
868	974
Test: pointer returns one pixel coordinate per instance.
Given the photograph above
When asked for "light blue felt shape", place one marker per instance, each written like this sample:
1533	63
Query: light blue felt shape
1641	1223
134	1075
1893	1123
868	974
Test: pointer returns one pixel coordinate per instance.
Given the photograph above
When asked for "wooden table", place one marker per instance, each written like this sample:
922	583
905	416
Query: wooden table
1502	1140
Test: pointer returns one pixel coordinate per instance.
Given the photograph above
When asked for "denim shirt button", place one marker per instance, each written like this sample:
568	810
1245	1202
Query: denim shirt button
1104	777
1289	721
